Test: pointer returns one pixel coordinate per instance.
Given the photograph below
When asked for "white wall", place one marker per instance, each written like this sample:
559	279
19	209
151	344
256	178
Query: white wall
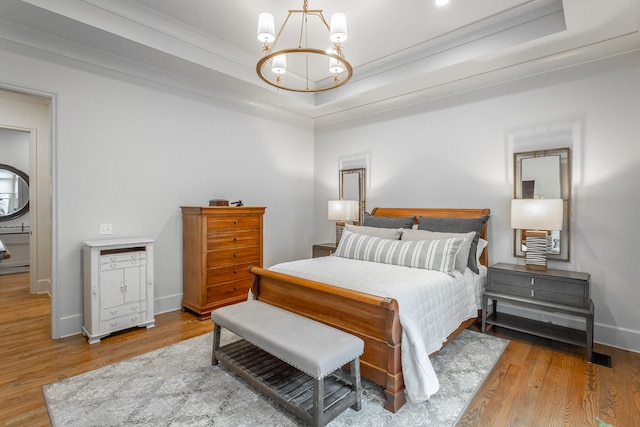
130	153
459	154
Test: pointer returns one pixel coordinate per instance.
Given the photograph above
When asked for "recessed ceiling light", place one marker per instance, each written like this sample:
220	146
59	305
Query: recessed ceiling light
441	2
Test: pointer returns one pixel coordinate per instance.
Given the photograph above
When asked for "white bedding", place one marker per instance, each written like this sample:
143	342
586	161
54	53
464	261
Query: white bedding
431	305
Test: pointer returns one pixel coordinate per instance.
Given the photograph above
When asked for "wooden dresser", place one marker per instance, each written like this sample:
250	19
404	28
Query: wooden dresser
219	243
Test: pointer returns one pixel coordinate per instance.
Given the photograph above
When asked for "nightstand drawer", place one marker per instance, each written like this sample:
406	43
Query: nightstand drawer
559	298
520	291
323	249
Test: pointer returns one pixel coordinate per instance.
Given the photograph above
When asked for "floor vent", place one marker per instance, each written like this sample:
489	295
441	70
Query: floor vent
601	359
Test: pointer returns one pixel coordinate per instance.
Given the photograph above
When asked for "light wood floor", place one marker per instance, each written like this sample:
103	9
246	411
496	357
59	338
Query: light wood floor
535	383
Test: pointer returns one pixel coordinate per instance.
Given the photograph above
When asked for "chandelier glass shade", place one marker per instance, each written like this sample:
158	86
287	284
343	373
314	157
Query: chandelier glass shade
311	69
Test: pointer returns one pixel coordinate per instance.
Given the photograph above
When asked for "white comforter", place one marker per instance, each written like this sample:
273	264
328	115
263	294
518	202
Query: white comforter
431	306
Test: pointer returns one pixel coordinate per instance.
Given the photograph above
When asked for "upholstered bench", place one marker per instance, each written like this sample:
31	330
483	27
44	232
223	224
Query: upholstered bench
294	360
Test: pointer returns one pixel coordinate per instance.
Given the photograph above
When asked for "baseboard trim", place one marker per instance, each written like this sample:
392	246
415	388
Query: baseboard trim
168	303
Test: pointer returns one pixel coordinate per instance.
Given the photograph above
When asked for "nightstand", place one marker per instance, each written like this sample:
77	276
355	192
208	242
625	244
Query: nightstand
323	249
556	291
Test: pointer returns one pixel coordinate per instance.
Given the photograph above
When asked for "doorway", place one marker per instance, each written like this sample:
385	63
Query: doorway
29	116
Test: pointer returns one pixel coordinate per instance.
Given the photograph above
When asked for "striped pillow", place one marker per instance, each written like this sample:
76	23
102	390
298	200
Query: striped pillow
437	255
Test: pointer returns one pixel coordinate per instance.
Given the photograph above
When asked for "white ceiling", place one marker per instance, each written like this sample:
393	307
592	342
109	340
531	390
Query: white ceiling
403	52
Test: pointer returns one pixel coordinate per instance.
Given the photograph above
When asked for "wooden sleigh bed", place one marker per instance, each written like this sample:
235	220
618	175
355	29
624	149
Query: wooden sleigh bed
372	318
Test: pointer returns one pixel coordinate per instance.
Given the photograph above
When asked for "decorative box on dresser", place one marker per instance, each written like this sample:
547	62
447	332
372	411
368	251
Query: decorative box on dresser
118	286
219	244
555	291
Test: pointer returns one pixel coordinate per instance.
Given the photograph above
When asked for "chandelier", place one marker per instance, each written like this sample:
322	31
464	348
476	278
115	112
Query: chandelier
314	69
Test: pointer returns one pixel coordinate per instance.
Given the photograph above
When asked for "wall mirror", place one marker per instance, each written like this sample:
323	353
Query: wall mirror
14	193
544	174
352	188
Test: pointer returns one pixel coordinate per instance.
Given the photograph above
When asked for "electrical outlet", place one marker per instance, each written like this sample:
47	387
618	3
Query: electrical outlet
106	229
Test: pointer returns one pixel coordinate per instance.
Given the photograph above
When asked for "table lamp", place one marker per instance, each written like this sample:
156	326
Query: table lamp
342	211
537	217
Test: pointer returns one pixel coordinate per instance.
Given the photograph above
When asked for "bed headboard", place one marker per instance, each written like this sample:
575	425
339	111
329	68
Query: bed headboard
440	213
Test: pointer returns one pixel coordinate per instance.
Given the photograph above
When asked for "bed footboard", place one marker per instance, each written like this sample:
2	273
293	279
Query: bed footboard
373	319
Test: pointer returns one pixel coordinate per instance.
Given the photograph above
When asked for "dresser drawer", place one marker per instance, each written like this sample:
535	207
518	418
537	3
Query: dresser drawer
122	310
123	322
237	289
229	273
237	239
233	256
232	223
122	264
122	257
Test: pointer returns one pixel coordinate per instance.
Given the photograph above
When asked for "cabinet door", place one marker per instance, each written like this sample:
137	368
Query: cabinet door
111	288
134	289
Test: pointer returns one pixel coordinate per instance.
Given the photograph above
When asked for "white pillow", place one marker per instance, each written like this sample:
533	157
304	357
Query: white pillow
481	245
463	255
383	233
437	255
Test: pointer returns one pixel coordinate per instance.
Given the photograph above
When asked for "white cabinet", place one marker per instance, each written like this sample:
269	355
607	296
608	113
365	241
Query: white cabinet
118	286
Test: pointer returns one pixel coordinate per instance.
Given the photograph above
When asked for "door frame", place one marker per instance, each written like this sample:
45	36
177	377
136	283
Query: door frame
44	272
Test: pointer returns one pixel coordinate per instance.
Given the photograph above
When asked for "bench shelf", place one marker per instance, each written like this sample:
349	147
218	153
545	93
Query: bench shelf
285	384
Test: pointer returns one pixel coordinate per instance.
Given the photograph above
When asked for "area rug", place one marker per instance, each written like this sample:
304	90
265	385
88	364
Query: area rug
177	386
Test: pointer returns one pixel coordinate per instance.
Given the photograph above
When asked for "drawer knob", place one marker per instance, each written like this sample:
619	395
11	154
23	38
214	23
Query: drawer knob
235	239
235	288
235	271
235	222
235	255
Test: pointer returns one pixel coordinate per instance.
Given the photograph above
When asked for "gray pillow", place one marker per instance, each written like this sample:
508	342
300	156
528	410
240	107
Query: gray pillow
458	225
383	233
388	221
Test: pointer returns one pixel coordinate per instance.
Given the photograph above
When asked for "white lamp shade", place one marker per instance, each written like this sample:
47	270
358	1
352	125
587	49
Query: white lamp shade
279	64
537	214
266	27
335	66
343	210
338	28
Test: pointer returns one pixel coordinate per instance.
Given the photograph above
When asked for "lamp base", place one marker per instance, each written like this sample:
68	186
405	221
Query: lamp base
339	230
537	244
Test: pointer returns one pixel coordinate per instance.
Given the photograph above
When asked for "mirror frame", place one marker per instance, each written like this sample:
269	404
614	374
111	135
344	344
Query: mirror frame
361	172
565	192
23	210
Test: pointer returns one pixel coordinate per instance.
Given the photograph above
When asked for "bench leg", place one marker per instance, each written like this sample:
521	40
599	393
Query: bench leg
318	402
216	344
355	382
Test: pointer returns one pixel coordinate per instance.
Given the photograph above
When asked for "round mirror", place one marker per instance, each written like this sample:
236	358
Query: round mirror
14	193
